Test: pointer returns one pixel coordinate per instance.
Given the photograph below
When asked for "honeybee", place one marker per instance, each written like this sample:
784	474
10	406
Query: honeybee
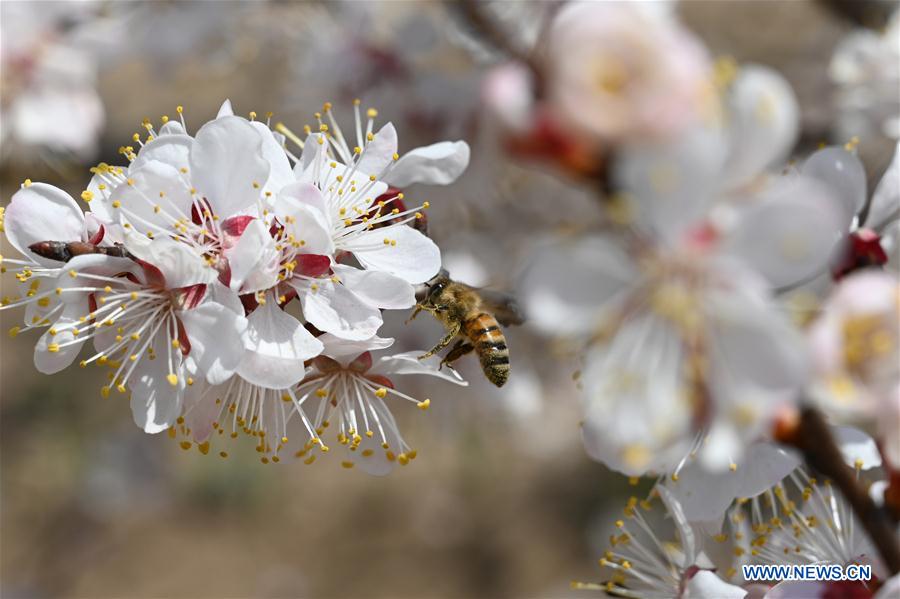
474	315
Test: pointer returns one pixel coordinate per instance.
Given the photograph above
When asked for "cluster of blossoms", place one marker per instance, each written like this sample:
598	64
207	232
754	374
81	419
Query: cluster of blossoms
667	552
231	285
184	272
726	289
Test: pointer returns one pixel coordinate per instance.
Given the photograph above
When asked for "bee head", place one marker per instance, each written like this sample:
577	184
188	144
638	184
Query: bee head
435	290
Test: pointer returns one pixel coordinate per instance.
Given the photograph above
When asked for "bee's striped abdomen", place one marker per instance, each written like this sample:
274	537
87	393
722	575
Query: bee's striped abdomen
490	345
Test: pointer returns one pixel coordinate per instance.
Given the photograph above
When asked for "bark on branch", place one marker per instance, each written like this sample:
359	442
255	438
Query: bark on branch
813	437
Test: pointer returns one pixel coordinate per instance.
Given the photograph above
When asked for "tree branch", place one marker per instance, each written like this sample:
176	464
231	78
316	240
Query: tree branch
492	32
813	437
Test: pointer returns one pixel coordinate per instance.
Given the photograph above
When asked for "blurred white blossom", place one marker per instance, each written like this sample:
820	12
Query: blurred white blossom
49	103
866	69
855	346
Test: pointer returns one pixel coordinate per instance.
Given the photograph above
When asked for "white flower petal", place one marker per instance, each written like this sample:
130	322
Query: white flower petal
378	289
843	174
789	236
172	128
333	308
764	121
758	363
281	173
409	363
886	429
227	165
637	416
763	466
153	199
303	193
379	152
438	164
885	206
704	495
375	462
313	151
407	254
181	265
344	350
51	362
671	184
753	342
201	410
42	212
859	449
685	532
277	346
303	212
100	205
706	585
794	589
559	301
155	402
253	260
225	109
215	333
890	589
173	149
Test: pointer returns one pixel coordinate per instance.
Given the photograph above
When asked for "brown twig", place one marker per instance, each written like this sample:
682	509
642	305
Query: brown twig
813	437
492	33
63	251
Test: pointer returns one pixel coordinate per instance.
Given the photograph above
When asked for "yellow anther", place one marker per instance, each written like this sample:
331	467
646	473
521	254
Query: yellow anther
173	379
423	405
381	392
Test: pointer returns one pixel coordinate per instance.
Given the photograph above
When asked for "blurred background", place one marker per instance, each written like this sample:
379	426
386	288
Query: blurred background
502	500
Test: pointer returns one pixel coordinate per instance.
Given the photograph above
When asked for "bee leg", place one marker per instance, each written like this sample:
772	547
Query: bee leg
443	342
459	350
415	313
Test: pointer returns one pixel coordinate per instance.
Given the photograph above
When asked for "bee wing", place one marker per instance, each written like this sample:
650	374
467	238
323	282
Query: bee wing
504	306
